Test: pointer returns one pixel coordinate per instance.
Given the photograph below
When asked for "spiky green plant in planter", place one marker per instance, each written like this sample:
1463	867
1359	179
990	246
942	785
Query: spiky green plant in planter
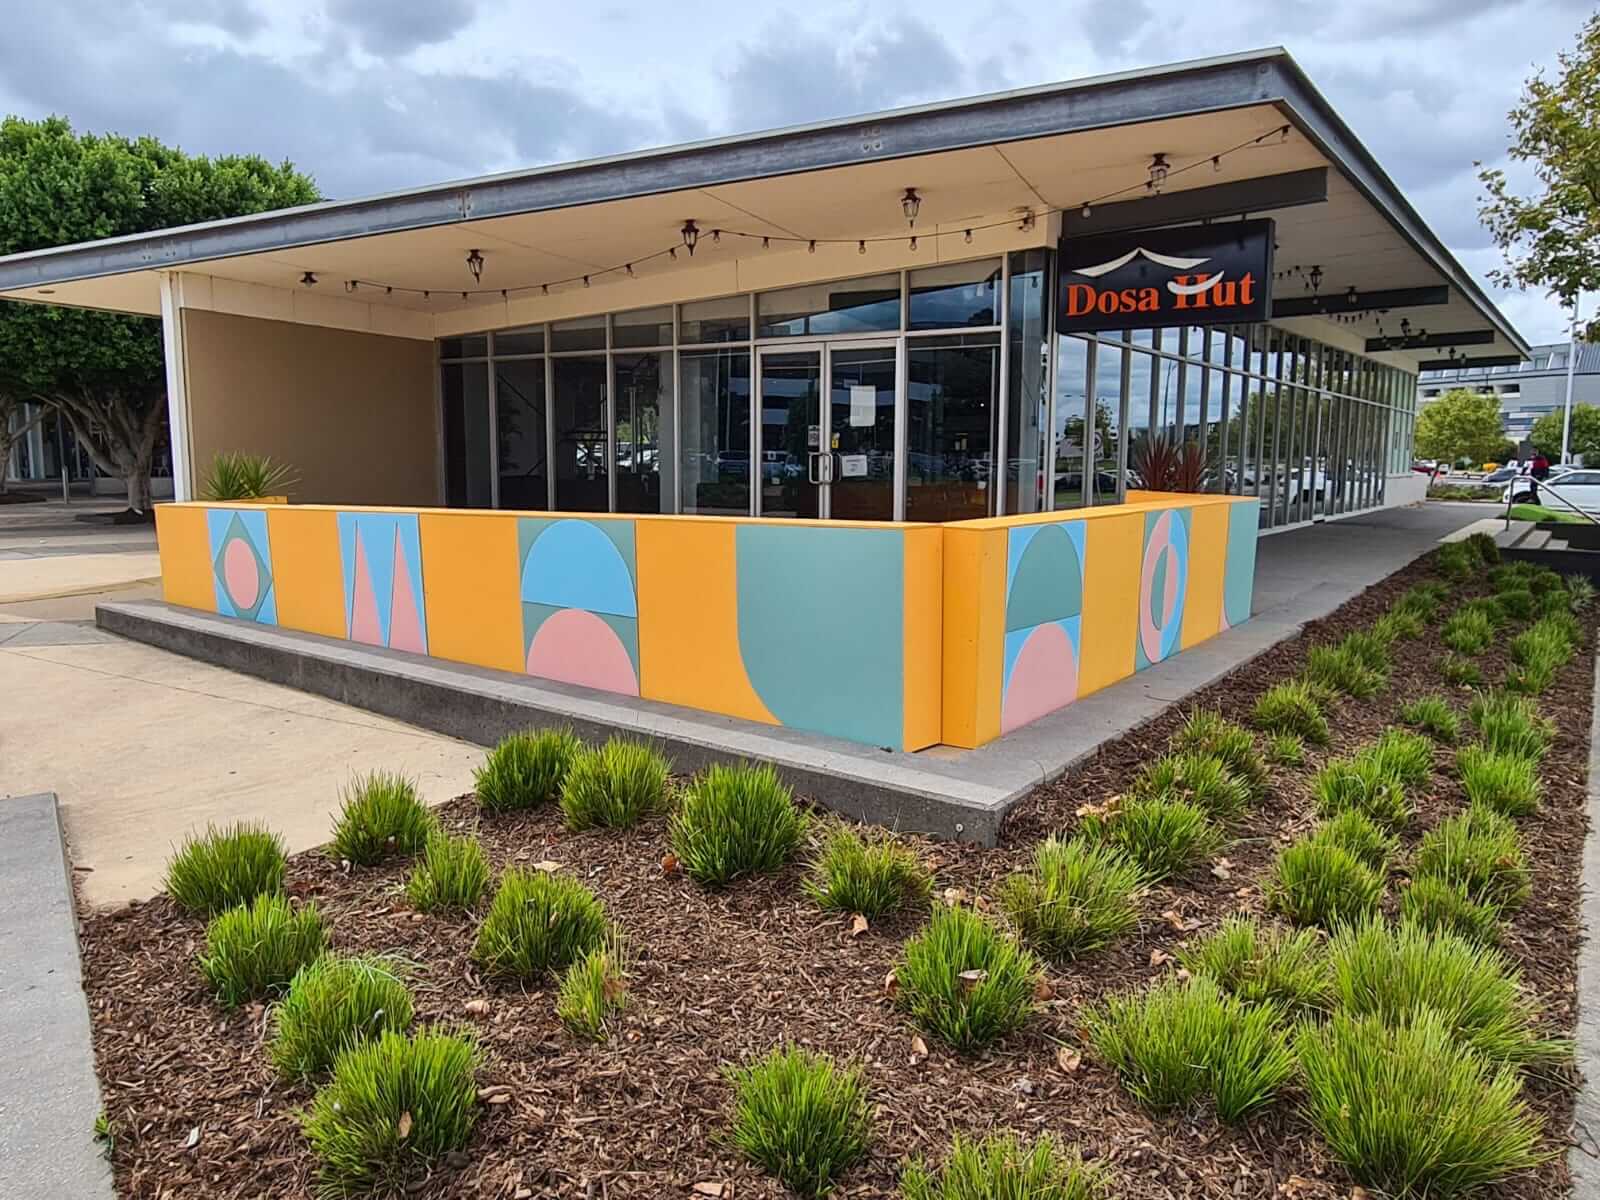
234	475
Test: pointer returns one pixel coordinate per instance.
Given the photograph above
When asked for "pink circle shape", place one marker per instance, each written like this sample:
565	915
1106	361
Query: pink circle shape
241	575
1043	679
574	646
1149	632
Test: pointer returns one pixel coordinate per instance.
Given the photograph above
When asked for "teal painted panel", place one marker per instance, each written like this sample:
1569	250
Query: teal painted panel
1239	572
1044	574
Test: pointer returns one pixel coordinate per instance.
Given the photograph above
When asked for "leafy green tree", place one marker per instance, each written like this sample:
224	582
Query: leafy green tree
1551	239
104	372
1546	435
1460	425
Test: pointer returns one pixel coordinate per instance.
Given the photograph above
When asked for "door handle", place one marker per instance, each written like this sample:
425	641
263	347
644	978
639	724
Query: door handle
813	466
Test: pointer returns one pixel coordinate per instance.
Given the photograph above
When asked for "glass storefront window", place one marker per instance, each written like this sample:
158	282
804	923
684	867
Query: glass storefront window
472	346
642	327
724	320
520	341
952	402
1027	420
582	478
870	305
1073	433
520	433
464	388
953	296
644	426
1110	372
586	333
714	442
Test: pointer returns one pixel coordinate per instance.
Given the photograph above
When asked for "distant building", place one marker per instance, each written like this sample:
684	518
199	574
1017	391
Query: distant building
1526	391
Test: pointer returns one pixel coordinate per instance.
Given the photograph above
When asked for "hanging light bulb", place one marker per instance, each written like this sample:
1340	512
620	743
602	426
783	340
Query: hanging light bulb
546	288
388	291
691	235
426	294
349	285
716	235
766	243
861	246
911	205
1216	162
968	238
913	241
672	253
1283	134
628	267
475	265
1086	212
811	247
463	295
1158	173
585	281
1315	276
1027	221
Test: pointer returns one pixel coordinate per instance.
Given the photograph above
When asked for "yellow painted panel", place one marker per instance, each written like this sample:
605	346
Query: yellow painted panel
689	619
924	636
306	572
974	634
185	547
471	589
1208	559
1113	549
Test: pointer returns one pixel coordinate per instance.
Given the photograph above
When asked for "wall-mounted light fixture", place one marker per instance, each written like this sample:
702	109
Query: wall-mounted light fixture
691	236
911	205
475	265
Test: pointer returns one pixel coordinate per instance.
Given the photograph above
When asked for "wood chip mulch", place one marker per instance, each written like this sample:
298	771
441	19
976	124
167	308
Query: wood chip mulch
723	975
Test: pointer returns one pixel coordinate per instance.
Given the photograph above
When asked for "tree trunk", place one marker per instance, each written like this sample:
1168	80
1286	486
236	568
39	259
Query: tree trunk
138	484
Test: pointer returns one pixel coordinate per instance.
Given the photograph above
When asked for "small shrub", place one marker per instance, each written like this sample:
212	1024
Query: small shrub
332	1004
1292	707
1456	561
870	875
1264	964
525	769
453	873
1503	782
224	867
1460	671
1510	724
1202	780
1344	670
1581	591
394	1106
1543	580
1468	631
254	950
592	989
1405	755
1440	906
1001	1168
1483	545
1181	1039
1363	783
734	821
616	786
1286	750
1434	716
1162	836
1315	882
1079	897
800	1117
965	981
236	475
538	922
1207	732
1478	849
1361	836
380	815
1410	1111
1518	604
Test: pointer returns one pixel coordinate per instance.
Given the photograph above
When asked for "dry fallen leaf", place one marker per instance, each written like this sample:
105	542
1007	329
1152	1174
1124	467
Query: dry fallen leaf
1179	922
1042	990
546	864
1068	1059
1295	1185
919	1049
891	985
973	978
1221	869
477	1007
1159	958
954	896
494	1089
403	1126
193	1139
669	864
858	925
711	1187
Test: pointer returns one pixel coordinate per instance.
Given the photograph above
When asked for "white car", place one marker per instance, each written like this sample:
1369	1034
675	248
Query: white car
1577	488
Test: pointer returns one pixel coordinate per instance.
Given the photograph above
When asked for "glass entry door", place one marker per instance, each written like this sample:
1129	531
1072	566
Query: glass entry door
861	432
789	466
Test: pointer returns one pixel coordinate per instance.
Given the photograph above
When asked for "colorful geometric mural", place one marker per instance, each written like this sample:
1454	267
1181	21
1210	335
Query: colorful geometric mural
241	564
580	611
1239	571
381	554
1163	585
1044	621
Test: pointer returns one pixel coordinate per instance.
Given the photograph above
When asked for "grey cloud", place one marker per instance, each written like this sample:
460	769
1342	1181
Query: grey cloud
393	27
1110	26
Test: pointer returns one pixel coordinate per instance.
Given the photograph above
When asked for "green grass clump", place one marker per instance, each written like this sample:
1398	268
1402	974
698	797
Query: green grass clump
538	922
1513	575
1396	625
1366	784
332	1004
1455	560
1541	650
592	989
1292	707
1421	600
1441	906
224	867
525	770
1405	755
1468	631
614	787
1396	972
1503	782
254	950
1462	672
1518	604
1264	964
1478	849
871	875
1557	603
734	821
453	873
1360	835
965	981
1482	544
1202	780
1317	882
1208	732
1510	724
1182	1039
1410	1111
1002	1168
1581	591
800	1117
1080	896
1346	669
1162	836
1434	716
380	815
395	1106
1286	749
1487	606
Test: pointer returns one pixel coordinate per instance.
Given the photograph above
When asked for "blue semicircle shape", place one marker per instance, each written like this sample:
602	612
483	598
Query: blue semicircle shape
572	564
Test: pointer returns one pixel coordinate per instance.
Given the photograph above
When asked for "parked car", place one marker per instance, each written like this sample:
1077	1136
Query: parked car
1578	489
1503	474
1520	490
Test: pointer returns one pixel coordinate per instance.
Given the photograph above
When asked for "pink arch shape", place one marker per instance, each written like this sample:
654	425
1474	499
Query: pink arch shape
1043	679
575	646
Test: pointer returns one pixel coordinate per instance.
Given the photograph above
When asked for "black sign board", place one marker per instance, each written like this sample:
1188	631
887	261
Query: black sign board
1193	275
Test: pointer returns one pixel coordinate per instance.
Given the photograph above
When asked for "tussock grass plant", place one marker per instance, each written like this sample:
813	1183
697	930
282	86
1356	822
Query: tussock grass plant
1468	631
1518	604
1504	782
1292	707
332	1004
1556	603
1370	650
1483	545
1002	1168
380	815
1398	624
1421	600
453	873
1364	783
1162	836
1181	1039
394	1106
1456	561
1485	605
1286	749
1263	963
1345	670
1479	850
734	821
1581	591
1080	896
1441	906
1562	624
1542	580
801	1117
1202	780
1462	672
1397	972
1316	882
254	950
1405	755
964	981
1434	716
614	787
224	867
538	922
1361	836
866	872
592	989
1520	574
236	475
1412	1112
1510	724
525	770
1208	732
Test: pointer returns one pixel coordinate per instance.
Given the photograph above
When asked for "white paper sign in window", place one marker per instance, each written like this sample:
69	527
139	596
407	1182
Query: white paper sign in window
863	404
853	466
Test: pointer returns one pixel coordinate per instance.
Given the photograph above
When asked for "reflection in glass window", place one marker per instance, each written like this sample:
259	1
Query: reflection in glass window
474	346
582	484
519	341
869	305
642	327
952	401
714	464
465	393
520	434
1072	430
724	320
644	416
586	333
1026	421
954	295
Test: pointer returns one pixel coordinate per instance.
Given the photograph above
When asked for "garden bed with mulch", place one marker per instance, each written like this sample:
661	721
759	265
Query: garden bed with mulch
720	976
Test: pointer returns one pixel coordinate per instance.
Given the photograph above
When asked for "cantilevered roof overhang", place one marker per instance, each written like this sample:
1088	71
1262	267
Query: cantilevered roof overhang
1045	150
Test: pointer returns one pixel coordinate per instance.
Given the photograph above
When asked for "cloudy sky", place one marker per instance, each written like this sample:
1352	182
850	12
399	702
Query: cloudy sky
369	95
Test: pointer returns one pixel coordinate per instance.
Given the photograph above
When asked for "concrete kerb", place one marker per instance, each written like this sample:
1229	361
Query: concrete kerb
1583	1156
49	1097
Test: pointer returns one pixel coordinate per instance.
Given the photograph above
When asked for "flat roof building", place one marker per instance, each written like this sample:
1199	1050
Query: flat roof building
1527	390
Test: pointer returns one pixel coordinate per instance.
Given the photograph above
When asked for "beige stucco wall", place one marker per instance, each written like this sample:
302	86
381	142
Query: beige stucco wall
352	413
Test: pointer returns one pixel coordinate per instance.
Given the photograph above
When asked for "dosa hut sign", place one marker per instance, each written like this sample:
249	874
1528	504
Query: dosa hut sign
1194	275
